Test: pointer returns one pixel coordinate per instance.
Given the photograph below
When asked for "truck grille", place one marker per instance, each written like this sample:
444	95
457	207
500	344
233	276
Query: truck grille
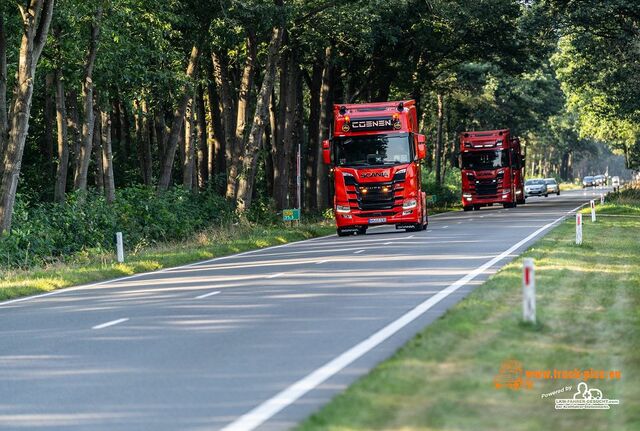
378	196
485	188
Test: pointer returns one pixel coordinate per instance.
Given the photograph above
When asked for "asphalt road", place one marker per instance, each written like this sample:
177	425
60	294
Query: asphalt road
255	340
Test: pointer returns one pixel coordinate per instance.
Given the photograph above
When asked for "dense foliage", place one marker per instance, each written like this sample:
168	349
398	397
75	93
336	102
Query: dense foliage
217	96
46	232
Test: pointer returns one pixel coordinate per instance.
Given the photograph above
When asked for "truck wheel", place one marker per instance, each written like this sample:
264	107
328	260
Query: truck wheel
467	208
340	232
546	195
476	207
362	230
558	193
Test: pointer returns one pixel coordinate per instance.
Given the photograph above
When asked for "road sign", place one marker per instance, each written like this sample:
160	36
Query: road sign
291	214
578	228
528	291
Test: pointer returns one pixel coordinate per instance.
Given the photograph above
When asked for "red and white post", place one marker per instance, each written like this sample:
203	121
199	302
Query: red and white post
593	210
528	291
578	229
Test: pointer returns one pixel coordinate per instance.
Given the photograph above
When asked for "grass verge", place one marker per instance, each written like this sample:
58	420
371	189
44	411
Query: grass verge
588	300
88	268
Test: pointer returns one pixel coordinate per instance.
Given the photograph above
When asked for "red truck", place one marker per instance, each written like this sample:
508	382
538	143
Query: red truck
375	152
492	167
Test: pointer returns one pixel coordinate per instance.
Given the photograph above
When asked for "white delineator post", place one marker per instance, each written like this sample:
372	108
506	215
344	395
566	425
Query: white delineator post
593	210
119	247
601	199
528	291
578	228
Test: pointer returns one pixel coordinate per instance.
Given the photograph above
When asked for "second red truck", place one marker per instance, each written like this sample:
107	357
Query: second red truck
492	168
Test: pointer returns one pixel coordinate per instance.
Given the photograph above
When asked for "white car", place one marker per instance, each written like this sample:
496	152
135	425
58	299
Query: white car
535	187
552	186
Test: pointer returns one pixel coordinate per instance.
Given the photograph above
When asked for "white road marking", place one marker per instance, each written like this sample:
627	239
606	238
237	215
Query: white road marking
388	243
322	261
111	323
358	252
275	275
410	236
266	410
444	227
206	295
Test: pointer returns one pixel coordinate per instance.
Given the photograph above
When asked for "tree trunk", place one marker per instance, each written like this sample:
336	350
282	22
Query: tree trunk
178	122
97	151
63	144
246	183
217	144
326	116
143	143
4	125
283	118
49	114
74	130
189	153
80	181
107	159
220	67
203	147
246	83
311	169
438	149
37	18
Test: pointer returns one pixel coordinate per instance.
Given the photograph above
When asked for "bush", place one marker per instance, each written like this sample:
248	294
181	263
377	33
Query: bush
46	232
448	193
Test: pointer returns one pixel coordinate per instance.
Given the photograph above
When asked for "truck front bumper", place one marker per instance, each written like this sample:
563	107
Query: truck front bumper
356	219
472	199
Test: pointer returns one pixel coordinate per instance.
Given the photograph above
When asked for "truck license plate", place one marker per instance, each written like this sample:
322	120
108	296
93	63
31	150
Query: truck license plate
377	220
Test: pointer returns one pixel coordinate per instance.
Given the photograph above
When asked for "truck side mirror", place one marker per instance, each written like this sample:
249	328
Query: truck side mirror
326	152
422	147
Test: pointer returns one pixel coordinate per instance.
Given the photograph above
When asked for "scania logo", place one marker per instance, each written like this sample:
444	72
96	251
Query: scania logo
374	174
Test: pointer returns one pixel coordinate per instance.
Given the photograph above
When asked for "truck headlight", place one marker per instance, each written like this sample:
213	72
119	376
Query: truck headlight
343	209
409	203
466	195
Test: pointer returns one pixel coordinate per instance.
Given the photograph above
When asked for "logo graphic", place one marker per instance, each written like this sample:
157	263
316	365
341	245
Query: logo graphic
585	399
374	174
510	375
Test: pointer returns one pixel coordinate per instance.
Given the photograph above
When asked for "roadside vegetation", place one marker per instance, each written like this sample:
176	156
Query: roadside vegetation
92	265
587	307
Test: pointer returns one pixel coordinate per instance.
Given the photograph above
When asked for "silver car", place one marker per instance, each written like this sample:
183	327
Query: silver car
552	186
535	187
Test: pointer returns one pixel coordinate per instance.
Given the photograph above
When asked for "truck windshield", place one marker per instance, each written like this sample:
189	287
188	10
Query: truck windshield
373	150
479	160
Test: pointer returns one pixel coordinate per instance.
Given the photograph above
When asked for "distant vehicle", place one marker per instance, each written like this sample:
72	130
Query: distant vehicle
535	187
615	183
588	181
552	186
492	167
600	180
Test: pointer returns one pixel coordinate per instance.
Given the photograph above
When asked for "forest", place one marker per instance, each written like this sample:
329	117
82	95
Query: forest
165	116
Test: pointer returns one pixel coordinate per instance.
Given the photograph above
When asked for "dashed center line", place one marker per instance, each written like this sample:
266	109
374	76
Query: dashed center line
275	275
388	243
206	295
111	323
322	261
358	252
444	227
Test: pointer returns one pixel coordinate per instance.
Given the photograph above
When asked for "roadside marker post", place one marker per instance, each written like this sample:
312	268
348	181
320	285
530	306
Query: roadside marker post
593	210
119	247
528	291
578	229
601	199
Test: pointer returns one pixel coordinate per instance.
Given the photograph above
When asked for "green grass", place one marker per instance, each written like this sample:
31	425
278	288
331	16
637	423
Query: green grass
87	268
588	301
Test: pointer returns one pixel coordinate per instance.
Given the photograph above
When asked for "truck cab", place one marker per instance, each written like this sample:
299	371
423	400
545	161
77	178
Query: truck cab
375	153
492	169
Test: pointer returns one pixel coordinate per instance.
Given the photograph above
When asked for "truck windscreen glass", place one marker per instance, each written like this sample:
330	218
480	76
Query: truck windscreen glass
479	160
373	150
